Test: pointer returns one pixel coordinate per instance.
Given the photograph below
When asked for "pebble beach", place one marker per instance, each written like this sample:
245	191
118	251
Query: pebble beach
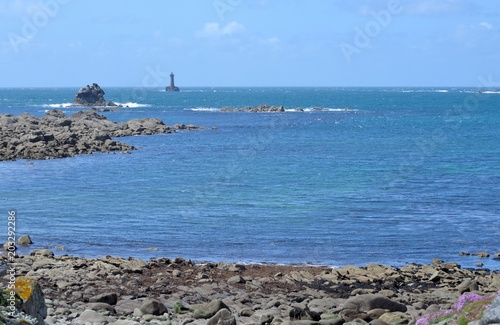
112	290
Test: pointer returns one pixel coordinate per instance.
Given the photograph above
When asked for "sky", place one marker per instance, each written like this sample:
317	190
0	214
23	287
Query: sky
250	43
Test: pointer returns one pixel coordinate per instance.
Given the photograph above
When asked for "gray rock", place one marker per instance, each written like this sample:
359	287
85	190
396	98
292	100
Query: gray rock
91	317
24	240
356	322
153	307
33	298
101	307
303	314
57	136
91	96
126	322
128	306
247	312
266	319
235	279
396	318
376	313
42	252
222	317
377	322
208	311
134	265
492	314
331	319
9	246
365	303
107	298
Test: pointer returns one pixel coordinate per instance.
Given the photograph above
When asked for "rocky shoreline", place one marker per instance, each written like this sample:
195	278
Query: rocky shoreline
56	135
111	290
265	108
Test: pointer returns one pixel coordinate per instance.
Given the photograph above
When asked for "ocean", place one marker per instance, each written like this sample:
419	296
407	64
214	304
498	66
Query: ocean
403	175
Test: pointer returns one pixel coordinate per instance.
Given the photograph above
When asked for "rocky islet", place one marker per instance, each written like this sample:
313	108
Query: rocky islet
90	96
265	108
56	135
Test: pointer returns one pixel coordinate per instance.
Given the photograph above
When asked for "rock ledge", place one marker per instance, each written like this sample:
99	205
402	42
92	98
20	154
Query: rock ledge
56	135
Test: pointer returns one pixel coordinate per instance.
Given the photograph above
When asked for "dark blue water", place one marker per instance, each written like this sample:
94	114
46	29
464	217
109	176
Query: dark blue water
405	175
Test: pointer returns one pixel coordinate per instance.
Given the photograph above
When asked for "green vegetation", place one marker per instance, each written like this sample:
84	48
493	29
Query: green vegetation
469	307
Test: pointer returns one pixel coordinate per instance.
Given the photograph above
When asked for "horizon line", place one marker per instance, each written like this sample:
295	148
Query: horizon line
190	87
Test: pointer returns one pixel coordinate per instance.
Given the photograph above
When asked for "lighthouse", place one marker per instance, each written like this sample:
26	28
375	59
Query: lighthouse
172	86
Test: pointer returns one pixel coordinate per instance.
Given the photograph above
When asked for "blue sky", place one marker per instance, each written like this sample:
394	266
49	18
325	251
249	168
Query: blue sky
249	42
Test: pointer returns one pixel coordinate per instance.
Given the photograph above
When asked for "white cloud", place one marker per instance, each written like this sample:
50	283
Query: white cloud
215	30
434	7
481	35
486	25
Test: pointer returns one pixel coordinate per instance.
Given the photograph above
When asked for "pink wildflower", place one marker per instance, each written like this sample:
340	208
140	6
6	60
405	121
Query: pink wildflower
466	299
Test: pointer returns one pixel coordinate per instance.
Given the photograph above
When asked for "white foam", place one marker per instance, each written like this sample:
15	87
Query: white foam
491	92
329	109
424	91
48	110
204	109
133	105
66	105
63	105
193	91
290	110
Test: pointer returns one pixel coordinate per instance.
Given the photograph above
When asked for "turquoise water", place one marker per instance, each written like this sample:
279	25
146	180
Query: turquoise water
406	175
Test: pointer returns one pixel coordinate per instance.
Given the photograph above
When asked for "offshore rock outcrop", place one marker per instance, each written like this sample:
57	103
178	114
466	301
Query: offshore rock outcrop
265	108
89	96
254	109
56	135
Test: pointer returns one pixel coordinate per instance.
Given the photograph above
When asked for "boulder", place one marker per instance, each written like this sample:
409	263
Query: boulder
153	307
304	314
365	303
24	240
91	96
235	279
222	317
397	318
42	252
492	314
91	317
208	311
179	308
107	298
266	319
32	296
134	265
101	307
10	246
357	322
331	319
143	126
127	306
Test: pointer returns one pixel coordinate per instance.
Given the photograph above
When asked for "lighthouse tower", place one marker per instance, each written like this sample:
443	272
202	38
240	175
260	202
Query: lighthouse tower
172	86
